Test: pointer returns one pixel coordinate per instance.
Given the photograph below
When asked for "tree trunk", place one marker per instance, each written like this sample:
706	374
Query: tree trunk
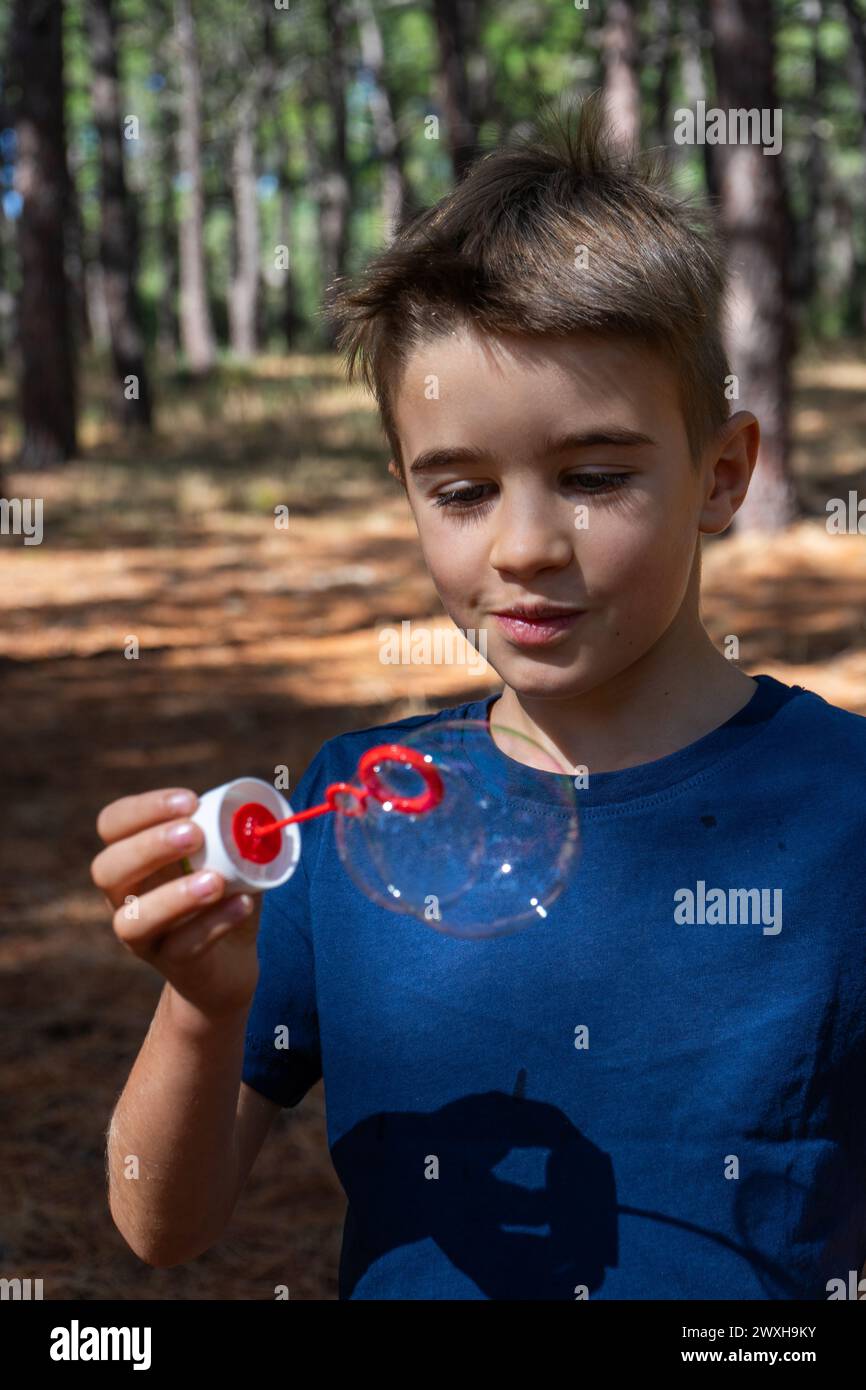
78	262
48	388
7	302
168	326
279	275
621	86
753	206
117	232
804	269
841	281
333	178
857	27
196	331
659	56
454	21
244	287
6	312
694	30
289	316
396	198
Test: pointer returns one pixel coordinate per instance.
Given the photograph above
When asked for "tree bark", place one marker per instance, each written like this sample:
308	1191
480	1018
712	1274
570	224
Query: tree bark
244	287
196	331
117	232
454	21
78	262
857	26
755	219
621	86
396	197
804	269
332	175
47	385
660	54
280	277
289	316
694	30
168	324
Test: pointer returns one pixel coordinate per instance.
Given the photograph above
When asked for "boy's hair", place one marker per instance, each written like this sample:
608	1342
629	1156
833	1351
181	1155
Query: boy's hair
558	232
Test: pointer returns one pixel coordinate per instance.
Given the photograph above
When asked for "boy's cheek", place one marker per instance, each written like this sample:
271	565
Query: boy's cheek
626	561
631	611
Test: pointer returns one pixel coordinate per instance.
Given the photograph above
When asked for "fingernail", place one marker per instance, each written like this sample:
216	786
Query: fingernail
181	835
181	802
204	885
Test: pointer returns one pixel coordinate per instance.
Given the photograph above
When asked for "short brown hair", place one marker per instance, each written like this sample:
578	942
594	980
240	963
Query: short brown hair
499	252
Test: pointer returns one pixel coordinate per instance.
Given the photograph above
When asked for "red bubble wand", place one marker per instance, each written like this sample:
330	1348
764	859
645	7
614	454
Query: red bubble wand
256	833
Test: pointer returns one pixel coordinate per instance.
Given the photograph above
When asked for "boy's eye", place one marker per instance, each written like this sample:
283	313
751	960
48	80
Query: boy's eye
471	496
600	482
460	497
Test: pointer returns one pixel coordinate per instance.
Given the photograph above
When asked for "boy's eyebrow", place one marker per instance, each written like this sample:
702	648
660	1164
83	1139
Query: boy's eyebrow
615	434
620	436
432	459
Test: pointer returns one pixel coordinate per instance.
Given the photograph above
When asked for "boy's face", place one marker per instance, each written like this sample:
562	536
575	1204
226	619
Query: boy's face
610	528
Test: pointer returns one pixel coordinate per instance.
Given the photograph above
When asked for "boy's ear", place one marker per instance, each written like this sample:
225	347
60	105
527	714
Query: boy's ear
394	470
734	454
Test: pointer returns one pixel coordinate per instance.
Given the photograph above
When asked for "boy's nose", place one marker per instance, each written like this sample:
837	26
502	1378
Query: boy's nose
531	539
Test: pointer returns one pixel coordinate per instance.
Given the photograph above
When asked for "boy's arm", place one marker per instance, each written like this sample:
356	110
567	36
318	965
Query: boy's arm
184	1134
255	1116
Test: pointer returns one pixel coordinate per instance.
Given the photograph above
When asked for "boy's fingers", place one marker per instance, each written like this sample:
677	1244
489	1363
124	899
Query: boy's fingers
178	939
131	813
141	923
197	937
132	860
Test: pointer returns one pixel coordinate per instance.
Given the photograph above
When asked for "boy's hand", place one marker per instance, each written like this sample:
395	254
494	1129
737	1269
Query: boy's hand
203	943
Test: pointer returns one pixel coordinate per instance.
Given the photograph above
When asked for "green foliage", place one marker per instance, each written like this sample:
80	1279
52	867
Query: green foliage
521	53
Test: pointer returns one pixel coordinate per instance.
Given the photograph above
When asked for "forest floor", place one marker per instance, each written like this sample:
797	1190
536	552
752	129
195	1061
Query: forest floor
255	645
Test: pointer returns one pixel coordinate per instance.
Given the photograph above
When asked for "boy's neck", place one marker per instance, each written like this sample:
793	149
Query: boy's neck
682	689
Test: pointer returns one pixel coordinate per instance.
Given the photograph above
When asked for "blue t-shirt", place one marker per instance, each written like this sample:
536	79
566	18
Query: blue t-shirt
655	1092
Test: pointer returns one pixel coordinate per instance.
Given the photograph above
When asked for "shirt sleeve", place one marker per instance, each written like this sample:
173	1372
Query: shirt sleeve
282	1057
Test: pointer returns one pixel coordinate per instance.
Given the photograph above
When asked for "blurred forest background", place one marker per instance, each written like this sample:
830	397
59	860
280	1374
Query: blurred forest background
181	180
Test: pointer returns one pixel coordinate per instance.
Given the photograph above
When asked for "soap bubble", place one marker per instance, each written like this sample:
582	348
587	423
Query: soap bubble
494	853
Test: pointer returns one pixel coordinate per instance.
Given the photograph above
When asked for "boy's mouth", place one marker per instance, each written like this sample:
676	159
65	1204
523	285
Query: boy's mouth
531	626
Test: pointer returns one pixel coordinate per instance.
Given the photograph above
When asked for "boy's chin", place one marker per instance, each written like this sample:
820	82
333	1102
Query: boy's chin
535	678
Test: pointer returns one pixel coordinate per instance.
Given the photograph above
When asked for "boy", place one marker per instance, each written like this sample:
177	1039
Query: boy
654	1092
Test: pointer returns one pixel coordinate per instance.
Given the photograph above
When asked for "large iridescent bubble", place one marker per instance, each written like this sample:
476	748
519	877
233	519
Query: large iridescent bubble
491	857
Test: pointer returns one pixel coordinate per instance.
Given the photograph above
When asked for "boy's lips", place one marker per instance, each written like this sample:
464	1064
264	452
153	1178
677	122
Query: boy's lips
533	612
534	626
